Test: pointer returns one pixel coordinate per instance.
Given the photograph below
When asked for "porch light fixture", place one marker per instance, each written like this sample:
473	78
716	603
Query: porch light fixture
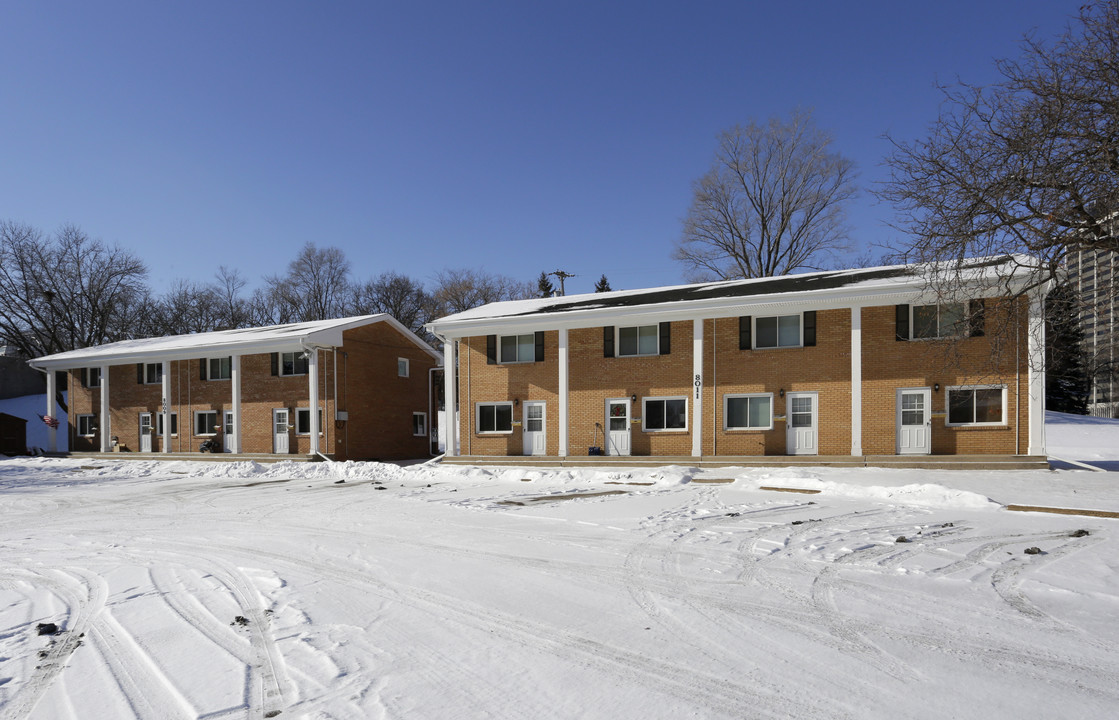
936	387
516	402
633	397
781	392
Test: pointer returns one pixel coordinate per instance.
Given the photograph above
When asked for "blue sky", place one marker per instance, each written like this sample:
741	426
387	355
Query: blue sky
513	137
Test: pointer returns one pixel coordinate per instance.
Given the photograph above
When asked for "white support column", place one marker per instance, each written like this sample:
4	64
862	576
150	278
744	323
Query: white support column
52	389
1036	352
450	417
697	388
106	427
165	409
563	409
856	381
313	382
235	381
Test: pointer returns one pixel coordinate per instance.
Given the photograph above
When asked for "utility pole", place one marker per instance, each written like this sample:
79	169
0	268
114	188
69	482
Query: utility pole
561	276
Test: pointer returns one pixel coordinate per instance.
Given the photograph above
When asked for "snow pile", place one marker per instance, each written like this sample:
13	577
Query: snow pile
1079	437
920	494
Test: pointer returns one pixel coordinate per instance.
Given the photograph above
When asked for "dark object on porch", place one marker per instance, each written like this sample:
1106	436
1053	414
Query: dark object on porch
213	445
13	435
594	449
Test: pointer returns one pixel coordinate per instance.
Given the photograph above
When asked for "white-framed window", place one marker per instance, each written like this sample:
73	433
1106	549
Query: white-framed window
748	412
419	424
494	417
976	405
777	331
938	321
664	413
293	363
174	423
206	422
87	425
93	377
517	348
641	340
219	368
303	421
153	373
402	367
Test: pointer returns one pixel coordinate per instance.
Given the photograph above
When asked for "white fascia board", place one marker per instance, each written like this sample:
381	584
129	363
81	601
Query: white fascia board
78	359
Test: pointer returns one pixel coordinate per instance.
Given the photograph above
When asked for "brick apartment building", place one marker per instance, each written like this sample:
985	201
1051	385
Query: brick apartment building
856	362
252	390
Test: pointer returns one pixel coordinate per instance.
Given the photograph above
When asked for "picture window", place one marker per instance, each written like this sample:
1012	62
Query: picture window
669	413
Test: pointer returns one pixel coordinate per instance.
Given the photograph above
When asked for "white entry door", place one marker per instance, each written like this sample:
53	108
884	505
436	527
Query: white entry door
914	406
617	426
145	432
535	439
280	430
801	421
227	441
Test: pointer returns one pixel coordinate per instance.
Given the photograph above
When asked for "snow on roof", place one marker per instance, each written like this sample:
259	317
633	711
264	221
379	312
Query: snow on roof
856	281
271	338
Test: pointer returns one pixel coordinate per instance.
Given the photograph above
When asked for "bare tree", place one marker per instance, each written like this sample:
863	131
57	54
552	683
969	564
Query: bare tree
227	288
395	294
459	290
1027	165
315	287
772	202
66	291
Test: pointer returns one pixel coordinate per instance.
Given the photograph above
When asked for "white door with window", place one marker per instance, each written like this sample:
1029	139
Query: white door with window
617	426
280	423
914	421
145	432
227	432
801	418
535	439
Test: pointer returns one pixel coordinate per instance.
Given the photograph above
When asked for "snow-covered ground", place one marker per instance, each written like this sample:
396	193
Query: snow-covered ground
360	590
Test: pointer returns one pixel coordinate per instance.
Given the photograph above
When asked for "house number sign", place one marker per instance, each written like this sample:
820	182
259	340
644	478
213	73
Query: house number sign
698	385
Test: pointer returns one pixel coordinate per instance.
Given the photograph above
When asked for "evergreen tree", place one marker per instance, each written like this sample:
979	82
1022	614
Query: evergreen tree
1066	370
545	286
603	285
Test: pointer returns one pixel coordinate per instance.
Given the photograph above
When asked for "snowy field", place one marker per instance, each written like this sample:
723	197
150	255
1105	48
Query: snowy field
197	590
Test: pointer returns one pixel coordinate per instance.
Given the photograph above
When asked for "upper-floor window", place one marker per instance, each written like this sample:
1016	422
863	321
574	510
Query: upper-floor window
91	377
641	340
293	363
937	321
778	331
150	373
517	348
218	368
402	367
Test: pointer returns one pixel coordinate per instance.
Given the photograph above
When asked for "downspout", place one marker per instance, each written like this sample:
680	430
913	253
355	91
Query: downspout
1018	390
432	407
714	387
334	355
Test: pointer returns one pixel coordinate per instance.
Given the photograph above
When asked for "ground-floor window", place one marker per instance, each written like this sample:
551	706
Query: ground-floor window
668	413
748	412
303	421
419	424
206	422
174	423
495	417
980	405
87	425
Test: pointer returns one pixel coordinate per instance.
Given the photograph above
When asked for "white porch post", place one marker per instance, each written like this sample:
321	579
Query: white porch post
856	381
450	417
313	381
1036	352
165	438
235	381
697	392
106	429
52	433
563	411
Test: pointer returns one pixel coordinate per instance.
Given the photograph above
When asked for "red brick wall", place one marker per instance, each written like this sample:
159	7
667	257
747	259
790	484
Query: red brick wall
380	403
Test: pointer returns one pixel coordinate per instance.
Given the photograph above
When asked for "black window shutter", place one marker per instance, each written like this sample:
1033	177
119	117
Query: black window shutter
275	363
666	338
745	332
608	341
202	369
810	328
901	322
977	309
491	349
139	373
85	377
540	346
